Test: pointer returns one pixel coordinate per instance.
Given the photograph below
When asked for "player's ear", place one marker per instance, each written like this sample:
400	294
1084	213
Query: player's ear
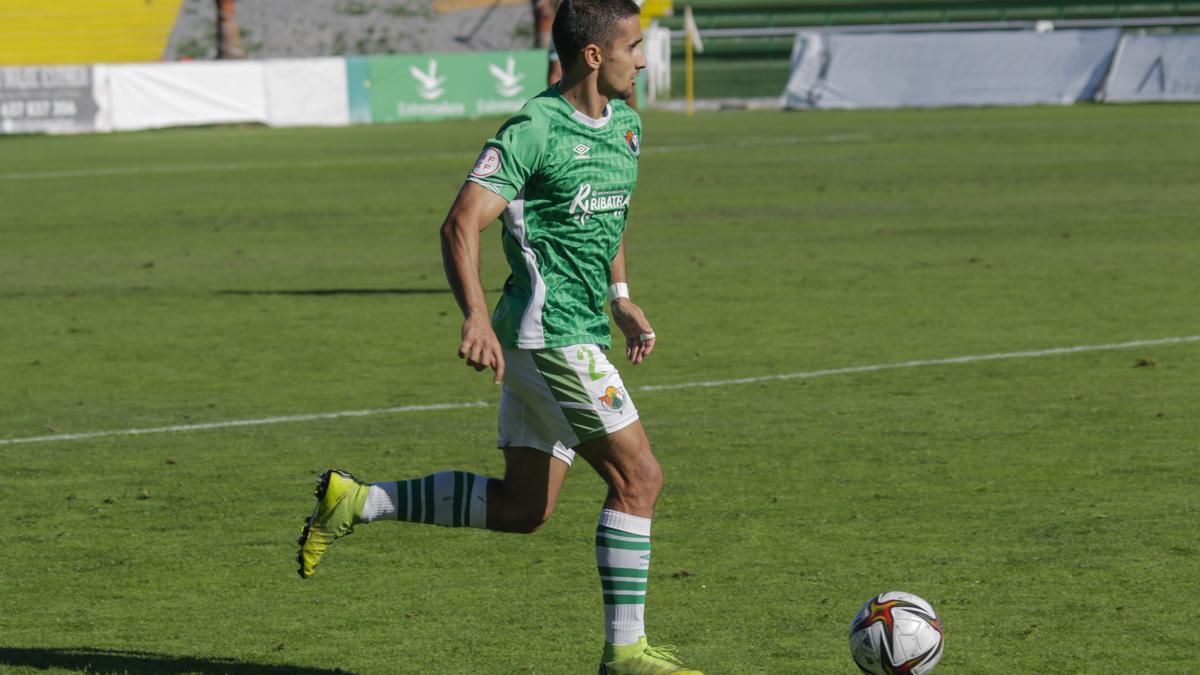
593	55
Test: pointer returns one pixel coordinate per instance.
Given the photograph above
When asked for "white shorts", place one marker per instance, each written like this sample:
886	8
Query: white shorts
557	398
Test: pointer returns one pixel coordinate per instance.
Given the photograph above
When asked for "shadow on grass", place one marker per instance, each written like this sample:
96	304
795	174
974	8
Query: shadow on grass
102	661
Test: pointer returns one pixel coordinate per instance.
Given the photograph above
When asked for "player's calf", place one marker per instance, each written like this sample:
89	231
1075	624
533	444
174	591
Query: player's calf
449	498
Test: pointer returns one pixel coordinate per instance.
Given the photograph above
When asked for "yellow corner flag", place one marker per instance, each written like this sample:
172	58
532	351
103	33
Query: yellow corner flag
689	25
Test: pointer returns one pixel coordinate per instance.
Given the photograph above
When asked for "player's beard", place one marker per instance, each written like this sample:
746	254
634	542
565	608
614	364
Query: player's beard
617	92
628	92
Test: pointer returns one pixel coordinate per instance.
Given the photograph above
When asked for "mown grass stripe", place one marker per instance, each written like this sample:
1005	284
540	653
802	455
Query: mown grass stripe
416	158
184	428
230	424
921	363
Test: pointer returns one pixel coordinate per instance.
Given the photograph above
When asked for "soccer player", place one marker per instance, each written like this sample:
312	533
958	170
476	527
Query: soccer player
561	172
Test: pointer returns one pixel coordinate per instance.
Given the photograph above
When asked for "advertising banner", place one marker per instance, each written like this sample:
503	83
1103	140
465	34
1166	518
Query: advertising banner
439	86
306	92
47	99
1155	68
157	95
949	69
358	89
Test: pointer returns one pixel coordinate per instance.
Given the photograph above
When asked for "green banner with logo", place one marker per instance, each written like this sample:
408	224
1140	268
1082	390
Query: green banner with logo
440	86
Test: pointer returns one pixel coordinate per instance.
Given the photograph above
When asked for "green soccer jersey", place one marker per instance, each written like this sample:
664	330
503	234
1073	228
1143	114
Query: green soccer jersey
568	180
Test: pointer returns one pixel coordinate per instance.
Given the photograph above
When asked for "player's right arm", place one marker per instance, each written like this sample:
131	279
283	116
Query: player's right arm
473	210
506	163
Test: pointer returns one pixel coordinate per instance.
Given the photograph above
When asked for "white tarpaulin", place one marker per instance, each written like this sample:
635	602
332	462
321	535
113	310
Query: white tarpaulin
307	92
155	95
883	70
1155	68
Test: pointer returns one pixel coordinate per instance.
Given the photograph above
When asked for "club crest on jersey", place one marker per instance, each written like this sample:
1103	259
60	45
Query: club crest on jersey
631	140
488	162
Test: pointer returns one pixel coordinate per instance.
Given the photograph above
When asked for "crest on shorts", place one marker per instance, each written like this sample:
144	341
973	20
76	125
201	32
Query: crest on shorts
631	140
613	398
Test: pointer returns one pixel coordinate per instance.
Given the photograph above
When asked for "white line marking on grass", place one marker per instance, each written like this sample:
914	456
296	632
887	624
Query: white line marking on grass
223	167
200	168
651	387
756	141
925	362
245	423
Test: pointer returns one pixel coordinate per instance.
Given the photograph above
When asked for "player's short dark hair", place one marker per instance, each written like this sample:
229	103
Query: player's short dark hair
579	23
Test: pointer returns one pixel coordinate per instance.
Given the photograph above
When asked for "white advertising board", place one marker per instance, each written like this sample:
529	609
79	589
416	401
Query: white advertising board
892	70
307	92
1155	68
156	95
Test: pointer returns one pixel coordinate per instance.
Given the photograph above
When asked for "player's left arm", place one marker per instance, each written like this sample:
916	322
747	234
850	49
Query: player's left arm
639	335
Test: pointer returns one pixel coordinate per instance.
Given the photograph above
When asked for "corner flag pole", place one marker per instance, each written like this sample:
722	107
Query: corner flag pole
691	42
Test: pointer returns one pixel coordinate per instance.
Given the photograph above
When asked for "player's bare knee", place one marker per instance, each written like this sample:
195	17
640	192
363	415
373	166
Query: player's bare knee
520	517
639	483
651	478
529	520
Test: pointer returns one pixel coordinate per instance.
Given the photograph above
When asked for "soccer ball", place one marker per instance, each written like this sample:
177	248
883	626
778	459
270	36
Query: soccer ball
896	633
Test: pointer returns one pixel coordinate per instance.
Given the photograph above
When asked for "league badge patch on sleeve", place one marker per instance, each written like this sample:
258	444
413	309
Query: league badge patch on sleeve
488	162
631	140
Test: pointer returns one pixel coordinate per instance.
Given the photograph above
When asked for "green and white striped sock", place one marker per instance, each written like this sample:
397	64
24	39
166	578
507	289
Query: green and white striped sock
448	498
623	556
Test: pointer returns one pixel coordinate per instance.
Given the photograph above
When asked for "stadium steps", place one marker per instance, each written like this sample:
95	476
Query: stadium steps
44	32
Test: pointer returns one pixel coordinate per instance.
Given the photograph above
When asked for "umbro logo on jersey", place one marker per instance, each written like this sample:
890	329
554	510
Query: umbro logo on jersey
581	151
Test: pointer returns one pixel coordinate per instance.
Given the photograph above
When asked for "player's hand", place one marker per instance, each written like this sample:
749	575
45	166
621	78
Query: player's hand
480	346
639	336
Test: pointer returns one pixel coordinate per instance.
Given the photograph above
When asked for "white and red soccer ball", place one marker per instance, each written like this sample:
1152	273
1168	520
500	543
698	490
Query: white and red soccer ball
896	634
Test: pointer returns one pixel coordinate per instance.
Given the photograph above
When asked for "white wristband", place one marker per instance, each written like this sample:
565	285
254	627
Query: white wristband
618	290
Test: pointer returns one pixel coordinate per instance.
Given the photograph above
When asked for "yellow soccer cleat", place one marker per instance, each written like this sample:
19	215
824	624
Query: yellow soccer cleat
340	500
640	658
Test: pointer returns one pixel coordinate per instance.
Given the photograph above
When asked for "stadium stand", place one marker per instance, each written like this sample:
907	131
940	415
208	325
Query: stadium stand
46	32
789	13
738	63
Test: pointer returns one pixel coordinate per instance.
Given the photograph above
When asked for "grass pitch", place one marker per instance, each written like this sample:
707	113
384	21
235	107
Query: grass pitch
1045	506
